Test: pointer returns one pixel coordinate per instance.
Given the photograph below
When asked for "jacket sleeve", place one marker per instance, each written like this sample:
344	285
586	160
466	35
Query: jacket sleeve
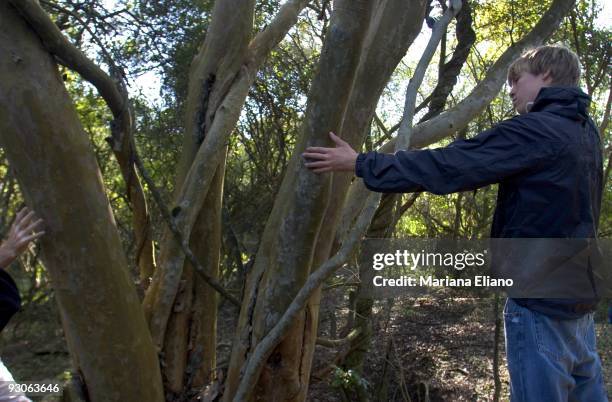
9	298
491	156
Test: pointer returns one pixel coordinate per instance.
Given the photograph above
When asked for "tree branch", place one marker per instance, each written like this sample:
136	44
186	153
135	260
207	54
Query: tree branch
405	131
267	39
68	55
447	76
459	116
179	237
334	343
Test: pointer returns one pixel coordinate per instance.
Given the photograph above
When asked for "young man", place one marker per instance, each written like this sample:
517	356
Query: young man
548	163
25	229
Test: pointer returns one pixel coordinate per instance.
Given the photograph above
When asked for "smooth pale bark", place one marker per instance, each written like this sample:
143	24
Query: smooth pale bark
385	213
55	165
222	54
404	134
122	143
216	74
286	251
395	24
212	72
200	173
457	117
398	26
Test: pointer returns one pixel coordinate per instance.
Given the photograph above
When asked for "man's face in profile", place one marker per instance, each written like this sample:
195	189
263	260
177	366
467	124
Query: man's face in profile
525	89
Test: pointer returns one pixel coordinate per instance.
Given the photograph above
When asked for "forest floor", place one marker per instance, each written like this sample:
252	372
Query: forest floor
442	346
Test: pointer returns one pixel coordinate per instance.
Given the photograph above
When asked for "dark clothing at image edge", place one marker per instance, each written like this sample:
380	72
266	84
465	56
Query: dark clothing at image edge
9	298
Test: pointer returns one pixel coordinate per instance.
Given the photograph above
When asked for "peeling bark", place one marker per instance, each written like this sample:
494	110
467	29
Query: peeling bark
212	72
190	341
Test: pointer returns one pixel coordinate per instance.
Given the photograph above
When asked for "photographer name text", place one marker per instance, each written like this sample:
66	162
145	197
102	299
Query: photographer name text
411	261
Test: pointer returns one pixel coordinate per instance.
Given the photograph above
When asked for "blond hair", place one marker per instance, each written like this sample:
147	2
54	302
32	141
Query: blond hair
560	62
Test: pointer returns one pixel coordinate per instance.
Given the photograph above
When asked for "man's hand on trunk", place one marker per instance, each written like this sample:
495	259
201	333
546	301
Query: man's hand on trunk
339	159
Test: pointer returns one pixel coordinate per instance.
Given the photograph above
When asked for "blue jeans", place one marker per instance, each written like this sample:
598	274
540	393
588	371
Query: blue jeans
551	360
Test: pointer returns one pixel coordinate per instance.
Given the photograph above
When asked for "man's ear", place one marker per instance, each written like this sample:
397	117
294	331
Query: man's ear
547	77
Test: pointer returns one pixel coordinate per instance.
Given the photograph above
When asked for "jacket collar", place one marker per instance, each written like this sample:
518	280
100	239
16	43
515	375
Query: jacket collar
570	102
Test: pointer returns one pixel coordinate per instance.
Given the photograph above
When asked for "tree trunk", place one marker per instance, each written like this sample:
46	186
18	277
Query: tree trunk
213	72
395	25
220	86
190	339
288	245
219	81
190	335
114	92
391	31
56	169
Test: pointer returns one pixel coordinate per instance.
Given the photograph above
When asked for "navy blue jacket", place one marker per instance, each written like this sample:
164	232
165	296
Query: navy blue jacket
548	164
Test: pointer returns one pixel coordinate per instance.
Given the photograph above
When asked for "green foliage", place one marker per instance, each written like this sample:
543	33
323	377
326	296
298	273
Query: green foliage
260	148
348	380
502	23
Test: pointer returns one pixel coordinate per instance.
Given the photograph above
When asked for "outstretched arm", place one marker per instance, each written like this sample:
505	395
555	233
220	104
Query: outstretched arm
507	149
24	230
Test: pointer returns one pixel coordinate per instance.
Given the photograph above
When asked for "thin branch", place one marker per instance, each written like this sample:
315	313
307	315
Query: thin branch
334	343
405	130
178	235
606	117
